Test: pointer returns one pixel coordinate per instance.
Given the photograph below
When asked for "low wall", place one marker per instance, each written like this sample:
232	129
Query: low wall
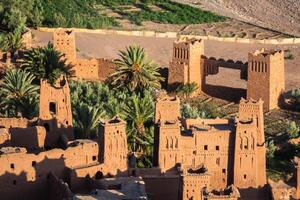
175	35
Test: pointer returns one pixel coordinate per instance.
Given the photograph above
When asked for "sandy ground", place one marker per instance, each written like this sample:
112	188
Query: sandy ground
279	15
160	50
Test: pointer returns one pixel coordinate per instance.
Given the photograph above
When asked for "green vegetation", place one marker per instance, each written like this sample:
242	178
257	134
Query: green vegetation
186	90
188	111
11	42
295	98
160	11
17	14
46	63
18	94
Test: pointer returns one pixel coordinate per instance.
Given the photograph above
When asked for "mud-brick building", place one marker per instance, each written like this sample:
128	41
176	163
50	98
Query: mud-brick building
232	151
264	71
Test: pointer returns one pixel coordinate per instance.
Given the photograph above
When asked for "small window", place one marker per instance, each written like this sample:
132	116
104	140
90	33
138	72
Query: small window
12	166
67	122
224	171
52	107
217	148
94	158
205	147
14	182
33	163
245	176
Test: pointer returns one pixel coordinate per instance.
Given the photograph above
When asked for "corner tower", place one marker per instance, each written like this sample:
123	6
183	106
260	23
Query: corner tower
250	152
185	65
64	41
266	79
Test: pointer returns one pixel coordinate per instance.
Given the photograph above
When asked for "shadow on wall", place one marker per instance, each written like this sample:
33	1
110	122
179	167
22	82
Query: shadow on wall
232	94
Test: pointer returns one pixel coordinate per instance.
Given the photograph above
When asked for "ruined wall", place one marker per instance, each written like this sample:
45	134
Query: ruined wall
266	79
27	173
87	69
106	68
167	109
5	138
55	110
14	122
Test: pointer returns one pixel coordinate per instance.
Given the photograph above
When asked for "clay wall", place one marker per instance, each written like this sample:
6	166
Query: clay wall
23	172
31	138
14	122
106	68
266	77
5	138
27	39
87	69
113	144
298	180
178	74
167	109
192	185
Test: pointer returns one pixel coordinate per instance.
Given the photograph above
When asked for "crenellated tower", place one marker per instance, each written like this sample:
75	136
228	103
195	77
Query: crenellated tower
113	145
167	108
64	41
185	65
250	152
266	77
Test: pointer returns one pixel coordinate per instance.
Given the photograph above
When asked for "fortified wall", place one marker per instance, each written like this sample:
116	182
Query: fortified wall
233	152
264	70
88	69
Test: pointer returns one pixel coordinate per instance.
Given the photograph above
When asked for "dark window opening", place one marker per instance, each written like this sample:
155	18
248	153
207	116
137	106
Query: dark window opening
47	127
94	158
245	176
224	171
217	148
14	182
33	163
52	107
67	122
205	147
12	166
99	175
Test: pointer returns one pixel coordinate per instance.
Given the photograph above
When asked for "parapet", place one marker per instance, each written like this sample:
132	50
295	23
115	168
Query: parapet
188	41
266	52
167	108
12	150
112	122
230	193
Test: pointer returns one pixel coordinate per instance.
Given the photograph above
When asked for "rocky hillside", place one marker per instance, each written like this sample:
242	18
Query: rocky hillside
278	15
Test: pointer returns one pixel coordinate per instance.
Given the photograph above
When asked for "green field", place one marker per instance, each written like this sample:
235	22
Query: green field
93	13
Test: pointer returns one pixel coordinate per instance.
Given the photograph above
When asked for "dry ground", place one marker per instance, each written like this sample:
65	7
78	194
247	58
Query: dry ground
279	15
160	50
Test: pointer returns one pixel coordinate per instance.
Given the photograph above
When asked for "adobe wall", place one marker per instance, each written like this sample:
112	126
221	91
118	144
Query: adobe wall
87	69
5	138
192	185
64	41
23	172
31	138
106	68
298	180
27	39
167	109
14	122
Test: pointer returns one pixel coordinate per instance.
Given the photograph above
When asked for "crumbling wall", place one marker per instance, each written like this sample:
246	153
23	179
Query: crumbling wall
14	122
167	109
5	138
106	68
193	184
87	69
64	41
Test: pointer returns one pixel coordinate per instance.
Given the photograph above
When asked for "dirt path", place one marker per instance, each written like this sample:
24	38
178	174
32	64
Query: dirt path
160	50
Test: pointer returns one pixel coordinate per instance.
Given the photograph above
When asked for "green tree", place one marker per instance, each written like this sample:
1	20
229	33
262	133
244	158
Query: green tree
20	95
186	90
295	98
86	120
293	130
11	42
46	63
193	113
135	71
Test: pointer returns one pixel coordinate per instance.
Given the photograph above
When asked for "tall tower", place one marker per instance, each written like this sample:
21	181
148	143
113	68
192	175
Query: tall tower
55	110
167	109
250	152
64	41
185	65
266	79
113	145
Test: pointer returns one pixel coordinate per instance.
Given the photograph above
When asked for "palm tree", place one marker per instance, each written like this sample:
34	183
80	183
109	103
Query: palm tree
86	120
11	42
186	90
135	71
18	91
139	113
46	63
